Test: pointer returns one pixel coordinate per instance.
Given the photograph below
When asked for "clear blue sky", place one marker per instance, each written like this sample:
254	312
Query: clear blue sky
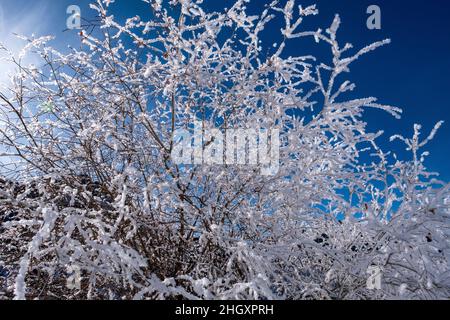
412	73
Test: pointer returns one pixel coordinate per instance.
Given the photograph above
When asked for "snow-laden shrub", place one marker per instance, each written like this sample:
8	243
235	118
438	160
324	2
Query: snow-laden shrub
93	189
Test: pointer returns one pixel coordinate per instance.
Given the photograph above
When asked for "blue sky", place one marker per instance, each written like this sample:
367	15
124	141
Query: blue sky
412	73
